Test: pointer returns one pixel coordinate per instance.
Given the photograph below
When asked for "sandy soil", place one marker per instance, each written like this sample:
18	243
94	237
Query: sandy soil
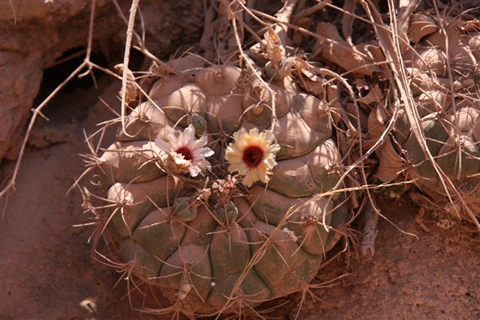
46	269
434	275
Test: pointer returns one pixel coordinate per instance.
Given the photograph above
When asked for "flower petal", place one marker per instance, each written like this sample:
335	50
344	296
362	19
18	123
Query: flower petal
240	167
206	152
194	171
163	145
188	136
254	174
199	143
247	179
263	172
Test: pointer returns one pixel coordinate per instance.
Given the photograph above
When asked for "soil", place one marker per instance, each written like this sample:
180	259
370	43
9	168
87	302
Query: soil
47	271
39	34
427	275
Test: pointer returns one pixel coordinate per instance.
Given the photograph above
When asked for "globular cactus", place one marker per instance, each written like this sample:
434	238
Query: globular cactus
211	202
442	68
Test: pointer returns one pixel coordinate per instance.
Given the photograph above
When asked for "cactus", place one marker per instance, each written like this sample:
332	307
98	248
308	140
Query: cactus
215	205
444	89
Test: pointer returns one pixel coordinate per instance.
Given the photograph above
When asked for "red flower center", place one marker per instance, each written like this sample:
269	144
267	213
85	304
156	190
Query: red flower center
252	156
187	154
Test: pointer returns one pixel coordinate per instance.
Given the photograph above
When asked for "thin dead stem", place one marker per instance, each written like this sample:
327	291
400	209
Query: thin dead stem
126	59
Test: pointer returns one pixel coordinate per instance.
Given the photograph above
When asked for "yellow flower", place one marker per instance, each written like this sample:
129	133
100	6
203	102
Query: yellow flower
252	154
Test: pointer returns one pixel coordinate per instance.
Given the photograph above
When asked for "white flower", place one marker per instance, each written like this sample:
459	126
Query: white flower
184	152
252	154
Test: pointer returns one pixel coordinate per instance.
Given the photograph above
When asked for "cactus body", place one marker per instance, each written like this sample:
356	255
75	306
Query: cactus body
448	113
250	245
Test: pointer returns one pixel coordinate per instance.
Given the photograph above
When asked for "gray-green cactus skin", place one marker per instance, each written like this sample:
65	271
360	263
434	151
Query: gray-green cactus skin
266	241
